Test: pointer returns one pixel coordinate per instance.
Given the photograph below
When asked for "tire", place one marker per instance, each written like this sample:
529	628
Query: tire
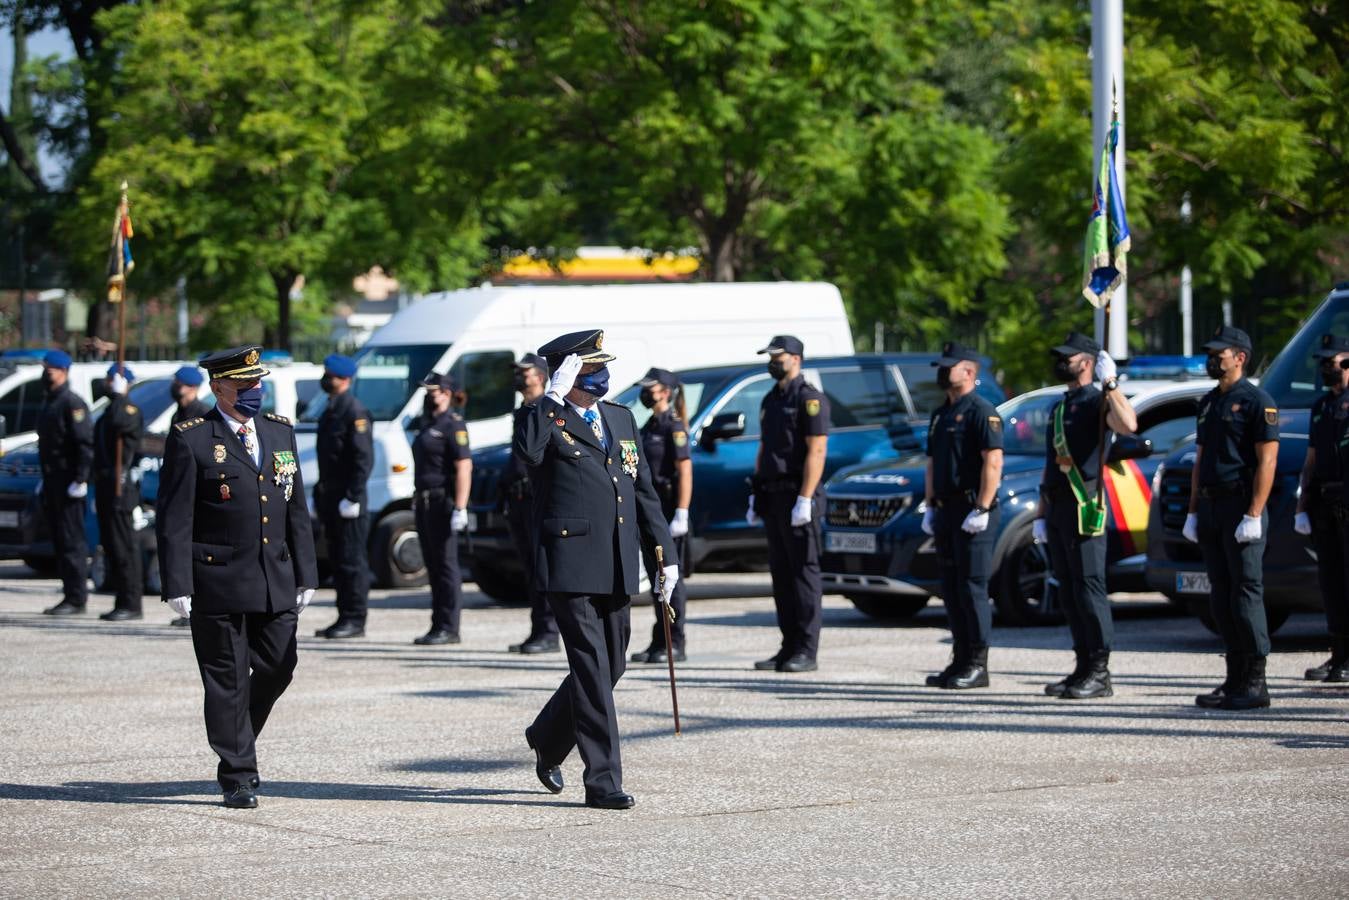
888	608
396	553
1199	606
1025	595
503	586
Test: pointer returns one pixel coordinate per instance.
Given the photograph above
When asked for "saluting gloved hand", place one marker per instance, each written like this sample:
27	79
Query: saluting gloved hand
671	579
1039	531
1302	523
181	606
561	381
1249	529
77	490
1105	367
679	525
1191	529
348	510
116	383
929	521
302	599
751	516
459	520
801	512
975	523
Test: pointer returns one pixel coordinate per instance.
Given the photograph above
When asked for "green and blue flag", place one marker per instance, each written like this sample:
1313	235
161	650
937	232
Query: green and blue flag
1103	267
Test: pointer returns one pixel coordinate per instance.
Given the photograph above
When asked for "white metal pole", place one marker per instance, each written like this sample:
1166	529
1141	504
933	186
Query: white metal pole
1186	313
1107	89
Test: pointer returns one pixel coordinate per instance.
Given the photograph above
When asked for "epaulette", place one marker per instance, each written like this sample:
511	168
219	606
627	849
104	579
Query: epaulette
612	403
190	423
276	418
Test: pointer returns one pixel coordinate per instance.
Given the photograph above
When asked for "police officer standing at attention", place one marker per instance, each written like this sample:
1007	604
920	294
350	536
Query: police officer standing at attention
65	449
1238	447
794	435
120	423
345	451
443	476
236	555
1069	520
665	444
964	469
1321	509
530	378
186	384
595	511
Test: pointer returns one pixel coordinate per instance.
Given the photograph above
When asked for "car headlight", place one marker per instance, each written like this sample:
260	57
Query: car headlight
1157	478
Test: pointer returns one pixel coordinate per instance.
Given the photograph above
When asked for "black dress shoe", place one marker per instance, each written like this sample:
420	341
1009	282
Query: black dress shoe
540	645
241	797
770	664
549	776
181	622
798	662
642	656
340	629
939	679
659	655
122	615
437	636
616	800
64	609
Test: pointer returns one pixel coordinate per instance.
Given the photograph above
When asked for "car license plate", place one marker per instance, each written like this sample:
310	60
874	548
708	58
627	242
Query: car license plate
1192	583
9	518
844	542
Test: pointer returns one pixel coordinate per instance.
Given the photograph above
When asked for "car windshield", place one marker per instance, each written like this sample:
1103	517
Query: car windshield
386	377
700	385
1294	379
152	397
1025	419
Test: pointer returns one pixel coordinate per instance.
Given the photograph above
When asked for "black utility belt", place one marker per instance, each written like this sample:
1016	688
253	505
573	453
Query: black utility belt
958	498
431	494
1226	489
778	486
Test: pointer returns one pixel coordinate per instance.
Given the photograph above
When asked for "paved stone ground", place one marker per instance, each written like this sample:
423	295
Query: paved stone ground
391	770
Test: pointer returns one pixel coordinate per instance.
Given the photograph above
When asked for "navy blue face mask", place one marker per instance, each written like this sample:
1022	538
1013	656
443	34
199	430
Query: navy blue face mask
249	401
596	383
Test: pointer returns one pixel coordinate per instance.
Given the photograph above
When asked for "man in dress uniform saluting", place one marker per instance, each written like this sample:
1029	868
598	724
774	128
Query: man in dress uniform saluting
1238	448
964	469
345	451
793	442
530	379
236	554
594	509
184	389
65	449
120	423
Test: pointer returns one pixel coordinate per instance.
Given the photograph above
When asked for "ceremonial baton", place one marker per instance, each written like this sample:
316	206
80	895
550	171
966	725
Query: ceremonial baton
666	614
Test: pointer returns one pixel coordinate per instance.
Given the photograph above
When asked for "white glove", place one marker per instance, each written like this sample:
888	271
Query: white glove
181	606
348	510
975	523
750	515
459	520
137	517
671	579
1039	531
302	599
1105	367
1249	529
117	383
1302	523
77	490
679	525
1191	529
929	521
801	512
561	381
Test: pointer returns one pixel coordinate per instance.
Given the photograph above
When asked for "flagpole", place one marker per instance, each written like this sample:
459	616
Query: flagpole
1107	80
117	293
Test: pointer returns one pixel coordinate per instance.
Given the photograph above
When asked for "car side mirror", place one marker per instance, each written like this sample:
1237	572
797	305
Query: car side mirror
1130	446
723	427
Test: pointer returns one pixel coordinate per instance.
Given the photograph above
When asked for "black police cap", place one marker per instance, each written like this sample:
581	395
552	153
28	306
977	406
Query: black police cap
1332	346
589	345
785	343
532	361
953	352
1229	336
659	376
444	382
236	363
1075	344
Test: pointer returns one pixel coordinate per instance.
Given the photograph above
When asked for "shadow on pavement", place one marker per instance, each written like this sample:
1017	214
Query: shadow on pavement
193	793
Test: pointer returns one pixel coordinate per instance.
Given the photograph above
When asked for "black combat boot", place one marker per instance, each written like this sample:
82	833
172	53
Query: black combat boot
1057	688
1095	682
1339	659
1251	692
959	655
1214	699
973	674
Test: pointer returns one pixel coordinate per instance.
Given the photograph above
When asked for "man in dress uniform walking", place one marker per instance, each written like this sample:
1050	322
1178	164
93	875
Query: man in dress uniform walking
531	378
785	496
346	451
120	423
1068	519
1238	447
1321	510
236	555
595	510
184	389
65	449
443	475
964	469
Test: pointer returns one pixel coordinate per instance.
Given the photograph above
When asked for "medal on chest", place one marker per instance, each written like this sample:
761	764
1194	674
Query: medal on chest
284	468
628	456
218	451
224	492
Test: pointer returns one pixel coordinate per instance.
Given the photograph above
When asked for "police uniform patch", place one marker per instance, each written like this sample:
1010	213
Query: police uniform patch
960	417
1271	416
995	423
219	452
461	438
362	425
812	407
680	438
131	410
77	415
1236	407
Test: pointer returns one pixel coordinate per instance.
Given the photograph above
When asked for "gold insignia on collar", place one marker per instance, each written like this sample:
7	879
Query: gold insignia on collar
252	358
566	436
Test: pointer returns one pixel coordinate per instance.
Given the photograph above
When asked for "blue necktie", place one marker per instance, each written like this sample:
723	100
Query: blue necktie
593	417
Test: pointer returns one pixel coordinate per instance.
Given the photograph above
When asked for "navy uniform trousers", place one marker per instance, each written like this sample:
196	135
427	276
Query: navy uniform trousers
65	521
1078	564
440	549
966	563
794	563
1235	573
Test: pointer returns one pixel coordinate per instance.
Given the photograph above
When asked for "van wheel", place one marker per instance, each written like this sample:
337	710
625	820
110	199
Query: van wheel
1025	593
396	552
1199	606
502	586
888	608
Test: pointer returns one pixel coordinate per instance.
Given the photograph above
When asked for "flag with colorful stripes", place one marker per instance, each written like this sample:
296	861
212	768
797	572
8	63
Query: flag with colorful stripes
1103	267
120	262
